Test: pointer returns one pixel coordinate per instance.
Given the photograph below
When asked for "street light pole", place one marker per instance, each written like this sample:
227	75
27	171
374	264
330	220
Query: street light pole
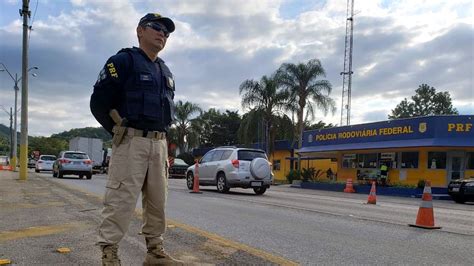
14	158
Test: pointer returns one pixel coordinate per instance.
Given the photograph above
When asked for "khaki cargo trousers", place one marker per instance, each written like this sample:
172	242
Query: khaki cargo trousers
137	165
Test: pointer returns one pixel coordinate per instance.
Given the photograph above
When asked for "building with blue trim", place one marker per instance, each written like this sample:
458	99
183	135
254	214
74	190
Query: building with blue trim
437	148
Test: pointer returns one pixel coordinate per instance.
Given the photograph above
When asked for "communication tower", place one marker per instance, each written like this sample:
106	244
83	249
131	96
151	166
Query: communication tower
347	73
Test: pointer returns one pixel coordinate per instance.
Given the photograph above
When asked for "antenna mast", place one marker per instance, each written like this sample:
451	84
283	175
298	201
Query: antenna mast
347	73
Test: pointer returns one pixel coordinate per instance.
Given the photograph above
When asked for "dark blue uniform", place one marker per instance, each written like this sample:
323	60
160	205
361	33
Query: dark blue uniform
140	89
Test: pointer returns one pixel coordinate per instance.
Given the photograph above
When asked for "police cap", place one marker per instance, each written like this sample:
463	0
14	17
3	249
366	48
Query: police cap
150	17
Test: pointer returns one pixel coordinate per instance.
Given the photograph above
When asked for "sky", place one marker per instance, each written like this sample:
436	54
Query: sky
218	44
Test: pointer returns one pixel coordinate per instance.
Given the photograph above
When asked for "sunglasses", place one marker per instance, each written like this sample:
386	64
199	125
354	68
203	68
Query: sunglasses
158	27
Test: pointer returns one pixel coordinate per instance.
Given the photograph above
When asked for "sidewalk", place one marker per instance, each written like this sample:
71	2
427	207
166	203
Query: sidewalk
38	216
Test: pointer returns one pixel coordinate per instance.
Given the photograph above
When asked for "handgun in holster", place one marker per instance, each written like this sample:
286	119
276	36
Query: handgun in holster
120	128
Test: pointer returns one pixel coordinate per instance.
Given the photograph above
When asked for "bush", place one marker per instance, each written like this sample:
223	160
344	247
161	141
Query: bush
293	175
421	183
308	174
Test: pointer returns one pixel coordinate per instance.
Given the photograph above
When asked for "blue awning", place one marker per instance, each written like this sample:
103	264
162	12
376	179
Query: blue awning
431	142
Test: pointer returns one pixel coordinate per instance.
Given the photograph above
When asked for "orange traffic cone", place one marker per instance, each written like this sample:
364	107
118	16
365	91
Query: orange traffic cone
196	179
425	218
349	188
372	197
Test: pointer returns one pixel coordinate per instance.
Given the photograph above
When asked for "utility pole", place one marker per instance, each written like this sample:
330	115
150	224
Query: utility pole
25	13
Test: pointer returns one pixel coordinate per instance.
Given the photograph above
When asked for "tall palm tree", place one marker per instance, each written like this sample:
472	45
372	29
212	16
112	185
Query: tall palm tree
307	91
265	101
183	123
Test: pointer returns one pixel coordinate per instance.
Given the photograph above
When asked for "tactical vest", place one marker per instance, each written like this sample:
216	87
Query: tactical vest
148	91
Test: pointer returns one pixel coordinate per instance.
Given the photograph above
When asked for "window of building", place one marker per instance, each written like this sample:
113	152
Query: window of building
409	160
349	160
276	165
367	160
436	160
470	161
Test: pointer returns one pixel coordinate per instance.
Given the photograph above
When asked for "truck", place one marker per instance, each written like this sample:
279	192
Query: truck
93	148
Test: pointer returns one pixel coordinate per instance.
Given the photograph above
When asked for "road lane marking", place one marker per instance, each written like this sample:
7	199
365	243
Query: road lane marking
39	231
219	239
227	242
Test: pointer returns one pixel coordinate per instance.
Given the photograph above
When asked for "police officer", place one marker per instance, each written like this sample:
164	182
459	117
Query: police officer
138	85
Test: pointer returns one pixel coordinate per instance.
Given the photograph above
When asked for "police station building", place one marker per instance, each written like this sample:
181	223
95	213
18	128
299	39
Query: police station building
437	148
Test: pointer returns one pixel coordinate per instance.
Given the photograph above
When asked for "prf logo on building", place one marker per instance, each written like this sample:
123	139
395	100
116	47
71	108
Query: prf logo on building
422	127
459	127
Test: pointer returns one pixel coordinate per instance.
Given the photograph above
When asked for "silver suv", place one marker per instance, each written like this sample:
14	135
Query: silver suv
228	167
72	163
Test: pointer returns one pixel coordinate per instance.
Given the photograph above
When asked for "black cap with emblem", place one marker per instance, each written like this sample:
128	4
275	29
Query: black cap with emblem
150	17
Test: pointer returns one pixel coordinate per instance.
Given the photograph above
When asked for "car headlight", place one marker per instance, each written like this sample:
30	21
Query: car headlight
469	184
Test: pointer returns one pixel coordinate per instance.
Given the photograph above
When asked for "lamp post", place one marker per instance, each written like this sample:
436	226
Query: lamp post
10	114
15	137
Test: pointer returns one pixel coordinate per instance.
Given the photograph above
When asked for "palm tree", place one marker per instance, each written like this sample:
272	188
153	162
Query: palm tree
265	101
184	122
306	91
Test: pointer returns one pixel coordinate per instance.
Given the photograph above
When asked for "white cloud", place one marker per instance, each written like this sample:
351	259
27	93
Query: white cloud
218	44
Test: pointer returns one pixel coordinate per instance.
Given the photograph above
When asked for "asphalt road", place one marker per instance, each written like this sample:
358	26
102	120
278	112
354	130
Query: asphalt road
320	227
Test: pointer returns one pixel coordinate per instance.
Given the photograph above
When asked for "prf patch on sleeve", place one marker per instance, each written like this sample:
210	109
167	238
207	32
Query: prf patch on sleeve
112	70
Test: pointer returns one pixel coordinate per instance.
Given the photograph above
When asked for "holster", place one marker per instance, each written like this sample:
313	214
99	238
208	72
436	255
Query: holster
119	133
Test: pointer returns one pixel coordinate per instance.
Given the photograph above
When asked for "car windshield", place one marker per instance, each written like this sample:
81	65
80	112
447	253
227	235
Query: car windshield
48	158
75	155
249	155
178	161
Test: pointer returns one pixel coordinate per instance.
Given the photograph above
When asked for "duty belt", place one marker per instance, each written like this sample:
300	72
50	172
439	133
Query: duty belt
133	132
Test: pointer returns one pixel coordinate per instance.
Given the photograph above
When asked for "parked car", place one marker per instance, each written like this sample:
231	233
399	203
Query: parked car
31	163
45	163
228	167
178	168
72	163
461	190
4	160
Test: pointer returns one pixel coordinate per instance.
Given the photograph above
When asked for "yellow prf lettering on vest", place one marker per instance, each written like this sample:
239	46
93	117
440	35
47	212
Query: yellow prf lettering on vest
112	70
459	127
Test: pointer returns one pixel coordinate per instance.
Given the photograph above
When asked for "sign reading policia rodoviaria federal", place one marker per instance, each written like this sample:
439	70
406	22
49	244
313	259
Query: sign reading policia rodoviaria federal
403	129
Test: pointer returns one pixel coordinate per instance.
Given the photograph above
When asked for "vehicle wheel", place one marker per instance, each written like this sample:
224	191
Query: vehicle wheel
222	184
81	176
260	190
60	174
89	176
55	174
459	199
190	180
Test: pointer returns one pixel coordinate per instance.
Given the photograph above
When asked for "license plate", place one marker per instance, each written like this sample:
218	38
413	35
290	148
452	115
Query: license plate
77	162
255	184
455	189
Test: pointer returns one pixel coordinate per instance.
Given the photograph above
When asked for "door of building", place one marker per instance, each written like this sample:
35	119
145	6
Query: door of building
455	165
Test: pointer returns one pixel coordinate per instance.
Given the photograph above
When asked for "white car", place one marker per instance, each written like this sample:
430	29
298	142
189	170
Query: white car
45	163
228	167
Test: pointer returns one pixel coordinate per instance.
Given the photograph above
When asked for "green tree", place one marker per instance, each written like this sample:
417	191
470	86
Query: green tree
425	102
218	128
265	102
47	145
183	124
307	91
319	125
